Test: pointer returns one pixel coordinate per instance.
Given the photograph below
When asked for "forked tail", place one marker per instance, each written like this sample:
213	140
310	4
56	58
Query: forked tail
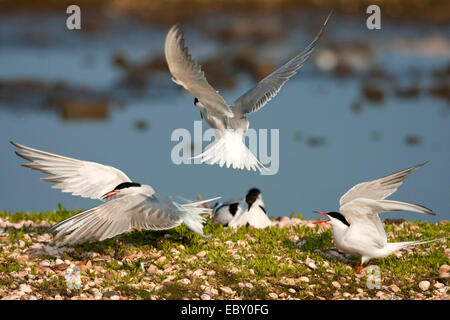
191	215
230	150
392	247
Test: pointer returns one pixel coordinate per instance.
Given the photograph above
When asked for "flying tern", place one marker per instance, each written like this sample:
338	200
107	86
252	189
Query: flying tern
229	122
357	228
127	204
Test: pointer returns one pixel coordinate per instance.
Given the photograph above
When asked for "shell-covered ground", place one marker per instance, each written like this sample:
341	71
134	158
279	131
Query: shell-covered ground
294	259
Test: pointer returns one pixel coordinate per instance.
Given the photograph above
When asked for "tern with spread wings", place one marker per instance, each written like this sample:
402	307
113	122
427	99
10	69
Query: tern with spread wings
127	204
230	122
357	228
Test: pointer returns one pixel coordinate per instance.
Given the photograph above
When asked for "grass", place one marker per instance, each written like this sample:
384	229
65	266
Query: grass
251	262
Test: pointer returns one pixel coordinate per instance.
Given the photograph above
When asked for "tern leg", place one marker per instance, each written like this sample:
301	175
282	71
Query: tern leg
359	268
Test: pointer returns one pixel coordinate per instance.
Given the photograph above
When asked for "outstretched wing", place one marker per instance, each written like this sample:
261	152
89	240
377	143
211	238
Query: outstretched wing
266	89
188	74
81	178
378	189
362	214
119	215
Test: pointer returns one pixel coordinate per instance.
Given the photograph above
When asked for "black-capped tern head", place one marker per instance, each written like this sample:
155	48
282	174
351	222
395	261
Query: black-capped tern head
253	195
335	218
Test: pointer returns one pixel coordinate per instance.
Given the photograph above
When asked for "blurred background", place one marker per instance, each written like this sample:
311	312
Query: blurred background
368	103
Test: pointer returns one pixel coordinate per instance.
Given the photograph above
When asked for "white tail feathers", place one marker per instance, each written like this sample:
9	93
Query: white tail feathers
191	215
391	205
392	247
230	150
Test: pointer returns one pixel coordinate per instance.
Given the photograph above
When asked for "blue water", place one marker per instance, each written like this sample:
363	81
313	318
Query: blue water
314	103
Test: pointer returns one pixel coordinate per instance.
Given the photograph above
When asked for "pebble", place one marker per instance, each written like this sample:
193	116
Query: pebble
197	273
395	288
115	297
424	285
211	273
161	259
211	291
25	288
185	281
444	271
292	290
152	269
205	297
201	254
336	284
439	285
304	279
45	263
289	281
226	290
273	295
235	270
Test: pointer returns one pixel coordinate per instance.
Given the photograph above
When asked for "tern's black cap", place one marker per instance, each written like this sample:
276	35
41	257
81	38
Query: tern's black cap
251	196
339	216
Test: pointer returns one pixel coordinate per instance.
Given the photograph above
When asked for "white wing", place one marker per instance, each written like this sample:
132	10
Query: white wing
138	210
365	224
266	89
81	178
362	214
188	74
378	189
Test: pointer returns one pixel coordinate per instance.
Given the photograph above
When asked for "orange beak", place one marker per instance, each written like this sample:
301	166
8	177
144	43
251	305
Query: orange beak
110	194
321	221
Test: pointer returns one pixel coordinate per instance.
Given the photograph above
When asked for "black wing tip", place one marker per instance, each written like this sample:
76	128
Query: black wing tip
15	144
411	169
23	156
422	164
429	211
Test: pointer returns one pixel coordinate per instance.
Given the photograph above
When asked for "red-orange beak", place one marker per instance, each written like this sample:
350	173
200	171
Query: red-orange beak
110	194
321	221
